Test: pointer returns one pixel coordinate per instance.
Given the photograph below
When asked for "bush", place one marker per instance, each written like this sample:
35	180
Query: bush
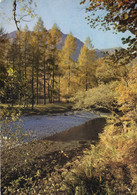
102	96
11	128
108	168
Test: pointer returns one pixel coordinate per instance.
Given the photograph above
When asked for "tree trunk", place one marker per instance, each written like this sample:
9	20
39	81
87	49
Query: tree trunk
49	90
37	87
53	82
32	85
44	83
86	80
59	88
69	79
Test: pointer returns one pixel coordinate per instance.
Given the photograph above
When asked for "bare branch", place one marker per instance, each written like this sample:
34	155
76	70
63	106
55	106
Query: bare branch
14	13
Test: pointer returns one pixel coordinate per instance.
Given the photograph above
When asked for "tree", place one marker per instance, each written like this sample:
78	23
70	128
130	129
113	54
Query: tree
3	43
54	45
3	62
86	64
27	8
121	14
67	61
25	49
127	99
88	43
107	70
16	64
26	64
45	60
38	36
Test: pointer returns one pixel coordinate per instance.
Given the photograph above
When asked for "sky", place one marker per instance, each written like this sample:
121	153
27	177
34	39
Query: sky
69	16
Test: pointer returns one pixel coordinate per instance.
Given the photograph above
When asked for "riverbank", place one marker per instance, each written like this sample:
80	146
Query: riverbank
41	109
30	168
27	169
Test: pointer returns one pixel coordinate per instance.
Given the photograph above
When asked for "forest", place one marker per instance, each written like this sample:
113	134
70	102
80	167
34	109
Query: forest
36	66
36	69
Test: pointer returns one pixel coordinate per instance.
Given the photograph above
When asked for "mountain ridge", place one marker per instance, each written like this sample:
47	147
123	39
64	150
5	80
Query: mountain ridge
99	52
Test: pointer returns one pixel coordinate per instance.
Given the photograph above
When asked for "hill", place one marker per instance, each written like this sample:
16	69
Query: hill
99	53
111	50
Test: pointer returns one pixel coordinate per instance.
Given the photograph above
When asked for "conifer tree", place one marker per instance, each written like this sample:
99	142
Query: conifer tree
38	40
44	61
54	44
86	64
26	64
3	61
15	69
67	61
25	49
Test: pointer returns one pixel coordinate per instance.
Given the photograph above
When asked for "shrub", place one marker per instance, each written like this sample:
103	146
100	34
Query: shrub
102	96
108	168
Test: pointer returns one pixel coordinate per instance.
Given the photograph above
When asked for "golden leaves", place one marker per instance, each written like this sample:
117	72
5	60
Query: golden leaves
126	16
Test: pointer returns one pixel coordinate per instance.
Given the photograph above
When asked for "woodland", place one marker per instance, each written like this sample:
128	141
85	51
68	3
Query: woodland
39	67
36	69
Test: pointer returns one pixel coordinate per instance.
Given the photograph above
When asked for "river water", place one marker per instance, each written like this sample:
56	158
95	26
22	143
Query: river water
45	125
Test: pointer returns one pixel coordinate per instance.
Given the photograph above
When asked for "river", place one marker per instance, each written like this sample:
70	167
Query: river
46	125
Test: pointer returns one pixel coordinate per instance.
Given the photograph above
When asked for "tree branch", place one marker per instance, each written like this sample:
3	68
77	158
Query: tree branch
14	13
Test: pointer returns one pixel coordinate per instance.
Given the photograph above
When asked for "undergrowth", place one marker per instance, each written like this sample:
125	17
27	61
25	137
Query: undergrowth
110	167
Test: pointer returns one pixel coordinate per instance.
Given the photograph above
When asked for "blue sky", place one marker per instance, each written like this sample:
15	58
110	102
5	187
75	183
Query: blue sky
69	15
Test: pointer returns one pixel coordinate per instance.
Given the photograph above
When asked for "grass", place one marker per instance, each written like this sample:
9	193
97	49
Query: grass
42	109
48	108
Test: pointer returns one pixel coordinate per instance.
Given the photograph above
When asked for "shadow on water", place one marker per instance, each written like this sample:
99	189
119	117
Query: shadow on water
87	131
